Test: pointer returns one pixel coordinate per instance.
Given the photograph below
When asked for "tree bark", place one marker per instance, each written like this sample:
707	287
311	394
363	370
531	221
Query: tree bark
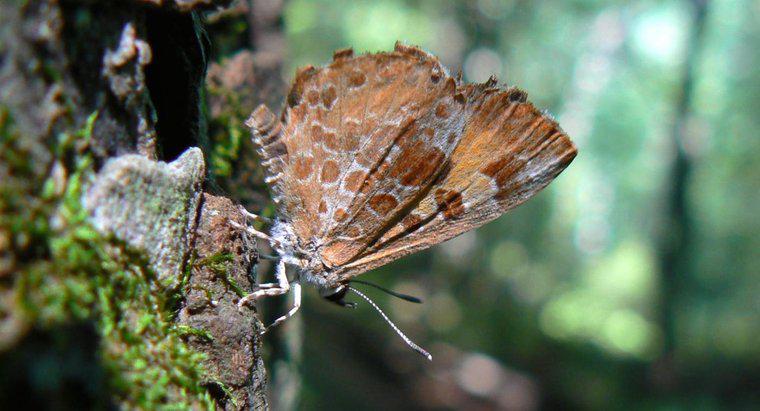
92	96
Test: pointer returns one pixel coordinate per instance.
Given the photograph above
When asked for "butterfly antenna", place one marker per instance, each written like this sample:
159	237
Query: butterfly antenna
404	297
406	339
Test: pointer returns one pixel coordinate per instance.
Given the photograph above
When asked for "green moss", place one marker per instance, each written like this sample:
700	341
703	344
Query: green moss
185	330
226	133
65	271
227	392
225	151
218	264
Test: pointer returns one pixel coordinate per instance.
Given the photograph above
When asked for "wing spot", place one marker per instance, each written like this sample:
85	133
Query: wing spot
417	164
411	222
356	79
351	142
302	167
340	215
449	203
386	73
322	207
331	141
354	181
312	97
346	143
329	95
317	133
294	97
502	172
498	171
383	203
352	125
354	231
441	111
330	172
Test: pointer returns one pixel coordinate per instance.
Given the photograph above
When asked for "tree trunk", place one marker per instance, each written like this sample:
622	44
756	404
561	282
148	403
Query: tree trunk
675	242
105	249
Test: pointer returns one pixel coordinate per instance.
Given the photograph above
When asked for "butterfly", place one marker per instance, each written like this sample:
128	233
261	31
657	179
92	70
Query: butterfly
378	156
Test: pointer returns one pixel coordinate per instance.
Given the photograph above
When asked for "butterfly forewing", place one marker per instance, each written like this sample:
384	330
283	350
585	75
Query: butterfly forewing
420	145
507	153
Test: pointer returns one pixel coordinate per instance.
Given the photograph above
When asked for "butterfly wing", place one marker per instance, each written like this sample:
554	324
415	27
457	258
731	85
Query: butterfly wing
268	138
408	152
381	155
358	143
508	151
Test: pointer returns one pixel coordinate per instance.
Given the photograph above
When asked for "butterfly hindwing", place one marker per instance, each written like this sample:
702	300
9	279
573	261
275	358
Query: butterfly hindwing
268	137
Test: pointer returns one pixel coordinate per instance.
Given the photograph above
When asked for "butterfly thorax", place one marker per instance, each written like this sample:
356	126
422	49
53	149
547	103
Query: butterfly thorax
304	255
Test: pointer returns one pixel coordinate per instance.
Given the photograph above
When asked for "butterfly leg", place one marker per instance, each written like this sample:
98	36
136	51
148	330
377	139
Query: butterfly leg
272	289
252	231
293	310
254	217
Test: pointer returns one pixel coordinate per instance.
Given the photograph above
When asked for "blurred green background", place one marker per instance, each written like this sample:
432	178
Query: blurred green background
631	282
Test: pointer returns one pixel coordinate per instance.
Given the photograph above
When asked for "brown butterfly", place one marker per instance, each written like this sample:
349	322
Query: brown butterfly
381	155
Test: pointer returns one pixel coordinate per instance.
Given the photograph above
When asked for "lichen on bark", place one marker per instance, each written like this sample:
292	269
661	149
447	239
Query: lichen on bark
94	231
66	271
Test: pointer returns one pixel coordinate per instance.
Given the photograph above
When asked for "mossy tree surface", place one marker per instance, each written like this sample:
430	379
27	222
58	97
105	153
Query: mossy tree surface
71	273
78	90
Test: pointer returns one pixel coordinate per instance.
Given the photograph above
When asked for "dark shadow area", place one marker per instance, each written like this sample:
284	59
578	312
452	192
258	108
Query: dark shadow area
55	369
173	77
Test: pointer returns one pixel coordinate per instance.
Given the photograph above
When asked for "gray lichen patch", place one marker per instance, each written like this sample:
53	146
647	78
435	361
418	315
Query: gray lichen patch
150	205
125	67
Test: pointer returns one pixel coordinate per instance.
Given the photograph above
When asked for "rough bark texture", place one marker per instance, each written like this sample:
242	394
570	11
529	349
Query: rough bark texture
92	95
63	61
236	85
223	271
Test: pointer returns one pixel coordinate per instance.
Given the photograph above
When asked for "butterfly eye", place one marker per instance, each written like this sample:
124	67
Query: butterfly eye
337	296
